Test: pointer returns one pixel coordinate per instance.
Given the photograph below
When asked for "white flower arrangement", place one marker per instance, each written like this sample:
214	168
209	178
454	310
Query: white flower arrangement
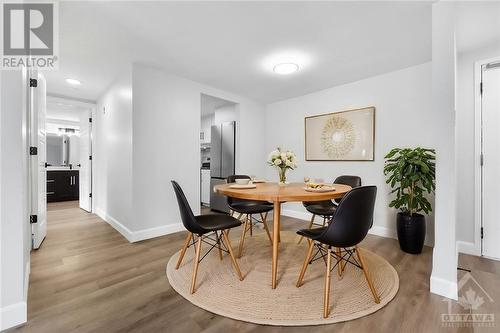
283	160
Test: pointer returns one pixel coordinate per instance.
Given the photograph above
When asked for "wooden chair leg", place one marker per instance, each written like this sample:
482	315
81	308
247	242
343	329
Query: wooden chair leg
219	243
339	264
249	217
266	227
343	265
305	264
367	275
326	297
279	233
242	240
183	251
233	259
309	227
196	264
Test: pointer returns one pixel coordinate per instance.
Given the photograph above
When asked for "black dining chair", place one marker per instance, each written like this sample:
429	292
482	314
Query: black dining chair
210	229
326	209
249	208
339	240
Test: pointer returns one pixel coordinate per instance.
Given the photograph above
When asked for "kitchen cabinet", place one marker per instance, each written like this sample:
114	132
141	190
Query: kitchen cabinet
205	186
205	135
63	185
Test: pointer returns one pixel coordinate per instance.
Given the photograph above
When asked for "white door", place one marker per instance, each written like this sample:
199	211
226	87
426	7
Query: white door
491	166
38	114
85	163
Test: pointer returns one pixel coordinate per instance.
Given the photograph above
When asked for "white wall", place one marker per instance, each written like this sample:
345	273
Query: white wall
403	118
166	126
444	261
226	113
15	232
112	156
144	142
466	154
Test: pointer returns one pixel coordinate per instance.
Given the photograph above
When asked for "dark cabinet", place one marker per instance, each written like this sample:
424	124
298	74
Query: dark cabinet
62	185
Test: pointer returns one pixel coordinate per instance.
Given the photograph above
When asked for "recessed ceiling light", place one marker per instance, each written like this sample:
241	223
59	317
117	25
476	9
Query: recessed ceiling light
285	68
73	82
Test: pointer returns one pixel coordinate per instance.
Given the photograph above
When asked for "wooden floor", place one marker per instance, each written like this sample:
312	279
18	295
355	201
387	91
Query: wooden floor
87	278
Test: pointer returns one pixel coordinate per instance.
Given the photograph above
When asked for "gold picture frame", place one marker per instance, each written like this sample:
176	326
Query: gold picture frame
347	135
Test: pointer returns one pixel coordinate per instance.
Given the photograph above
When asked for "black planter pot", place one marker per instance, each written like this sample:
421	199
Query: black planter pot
411	232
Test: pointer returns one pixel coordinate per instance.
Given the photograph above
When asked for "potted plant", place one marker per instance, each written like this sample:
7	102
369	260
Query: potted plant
411	174
283	160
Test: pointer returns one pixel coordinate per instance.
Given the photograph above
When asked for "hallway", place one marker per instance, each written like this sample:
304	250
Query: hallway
86	276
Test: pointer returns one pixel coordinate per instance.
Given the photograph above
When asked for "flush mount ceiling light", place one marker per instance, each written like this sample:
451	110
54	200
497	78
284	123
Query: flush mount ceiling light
73	82
285	68
286	62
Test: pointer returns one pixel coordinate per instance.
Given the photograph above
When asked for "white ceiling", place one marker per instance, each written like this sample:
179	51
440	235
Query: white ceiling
230	45
478	25
65	110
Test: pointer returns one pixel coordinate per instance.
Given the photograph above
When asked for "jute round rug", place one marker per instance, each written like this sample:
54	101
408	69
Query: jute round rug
252	300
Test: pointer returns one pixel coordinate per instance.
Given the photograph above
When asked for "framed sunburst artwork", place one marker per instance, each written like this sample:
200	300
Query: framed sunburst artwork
341	136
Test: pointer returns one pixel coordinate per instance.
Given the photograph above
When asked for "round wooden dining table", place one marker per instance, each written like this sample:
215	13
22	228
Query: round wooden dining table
277	194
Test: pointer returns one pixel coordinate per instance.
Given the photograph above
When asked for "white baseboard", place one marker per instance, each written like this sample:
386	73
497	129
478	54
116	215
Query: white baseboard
156	232
383	232
468	248
27	272
446	288
13	315
296	214
115	224
137	236
375	230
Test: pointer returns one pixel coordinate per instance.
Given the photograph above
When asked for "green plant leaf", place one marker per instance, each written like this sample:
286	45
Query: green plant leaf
411	175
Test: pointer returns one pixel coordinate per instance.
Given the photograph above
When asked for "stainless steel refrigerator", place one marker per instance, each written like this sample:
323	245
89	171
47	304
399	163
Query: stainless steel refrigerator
222	155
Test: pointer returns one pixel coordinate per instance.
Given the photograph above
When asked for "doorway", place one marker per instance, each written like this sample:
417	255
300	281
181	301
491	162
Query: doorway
490	158
60	153
218	136
69	151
